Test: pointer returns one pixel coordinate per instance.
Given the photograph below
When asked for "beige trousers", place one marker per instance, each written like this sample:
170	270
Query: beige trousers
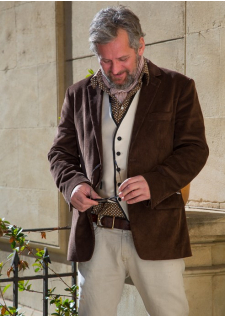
160	283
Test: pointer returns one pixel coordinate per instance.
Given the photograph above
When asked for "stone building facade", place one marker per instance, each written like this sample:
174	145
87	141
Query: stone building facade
44	49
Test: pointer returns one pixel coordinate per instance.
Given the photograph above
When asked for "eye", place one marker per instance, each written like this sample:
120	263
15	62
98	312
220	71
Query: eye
123	59
106	61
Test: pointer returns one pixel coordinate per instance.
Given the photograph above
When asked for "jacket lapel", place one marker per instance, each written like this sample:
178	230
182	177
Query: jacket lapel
95	105
147	95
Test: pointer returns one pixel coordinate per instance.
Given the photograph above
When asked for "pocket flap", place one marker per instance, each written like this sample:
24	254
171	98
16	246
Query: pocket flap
175	201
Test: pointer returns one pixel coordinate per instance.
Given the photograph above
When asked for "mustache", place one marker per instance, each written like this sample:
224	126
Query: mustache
120	73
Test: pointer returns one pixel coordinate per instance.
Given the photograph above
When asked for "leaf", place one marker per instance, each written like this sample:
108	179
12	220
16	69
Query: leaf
43	235
9	271
12	239
26	264
91	71
5	288
13	245
10	255
3	311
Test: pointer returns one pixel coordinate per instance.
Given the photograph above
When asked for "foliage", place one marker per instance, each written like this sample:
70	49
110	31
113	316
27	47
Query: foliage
18	242
91	72
64	307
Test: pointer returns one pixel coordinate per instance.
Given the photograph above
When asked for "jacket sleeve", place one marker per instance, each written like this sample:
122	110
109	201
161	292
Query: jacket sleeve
190	150
64	156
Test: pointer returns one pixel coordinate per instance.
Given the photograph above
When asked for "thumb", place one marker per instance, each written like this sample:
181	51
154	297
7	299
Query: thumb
95	195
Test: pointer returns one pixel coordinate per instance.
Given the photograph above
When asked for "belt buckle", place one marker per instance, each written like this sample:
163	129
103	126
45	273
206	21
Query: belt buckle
99	222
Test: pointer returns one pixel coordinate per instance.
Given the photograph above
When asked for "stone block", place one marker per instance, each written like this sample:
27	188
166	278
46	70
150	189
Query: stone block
19	206
205	64
47	95
201	256
27	208
34	145
4	5
211	12
82	15
218	295
205	226
81	67
218	254
35	33
19	98
9	168
221	73
160	21
199	294
7	39
209	184
169	55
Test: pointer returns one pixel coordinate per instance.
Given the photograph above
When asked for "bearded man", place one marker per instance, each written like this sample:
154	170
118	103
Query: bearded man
130	138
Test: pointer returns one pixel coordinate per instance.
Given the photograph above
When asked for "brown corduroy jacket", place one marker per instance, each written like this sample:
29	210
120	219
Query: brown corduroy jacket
168	148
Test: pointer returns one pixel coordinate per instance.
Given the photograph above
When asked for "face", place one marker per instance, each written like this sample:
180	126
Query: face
119	61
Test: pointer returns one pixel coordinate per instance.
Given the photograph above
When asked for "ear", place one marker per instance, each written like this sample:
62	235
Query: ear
141	46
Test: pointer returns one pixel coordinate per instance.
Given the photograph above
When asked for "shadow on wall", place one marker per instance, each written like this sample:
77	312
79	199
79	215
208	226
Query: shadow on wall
68	42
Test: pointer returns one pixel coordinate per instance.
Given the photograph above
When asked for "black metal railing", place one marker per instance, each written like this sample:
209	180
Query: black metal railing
45	277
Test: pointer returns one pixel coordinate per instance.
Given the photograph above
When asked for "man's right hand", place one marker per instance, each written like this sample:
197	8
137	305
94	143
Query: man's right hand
80	197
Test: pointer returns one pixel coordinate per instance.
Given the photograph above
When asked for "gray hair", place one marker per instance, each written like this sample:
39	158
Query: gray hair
106	23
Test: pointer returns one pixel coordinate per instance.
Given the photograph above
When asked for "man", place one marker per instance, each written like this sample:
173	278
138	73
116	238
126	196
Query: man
130	138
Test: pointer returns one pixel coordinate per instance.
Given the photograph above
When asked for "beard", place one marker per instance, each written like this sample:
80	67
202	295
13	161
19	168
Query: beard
128	80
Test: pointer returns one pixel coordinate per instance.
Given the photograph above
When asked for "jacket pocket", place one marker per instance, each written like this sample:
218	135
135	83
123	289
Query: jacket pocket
175	201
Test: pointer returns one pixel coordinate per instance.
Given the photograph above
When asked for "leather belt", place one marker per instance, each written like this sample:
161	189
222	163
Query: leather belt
111	222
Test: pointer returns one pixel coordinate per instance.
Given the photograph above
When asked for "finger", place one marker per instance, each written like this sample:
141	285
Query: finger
95	195
132	194
129	181
129	188
82	203
137	199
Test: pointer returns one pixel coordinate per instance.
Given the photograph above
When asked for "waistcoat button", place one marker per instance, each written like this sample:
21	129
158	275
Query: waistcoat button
119	138
118	153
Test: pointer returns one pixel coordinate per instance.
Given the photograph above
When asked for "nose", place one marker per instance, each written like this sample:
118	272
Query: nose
115	67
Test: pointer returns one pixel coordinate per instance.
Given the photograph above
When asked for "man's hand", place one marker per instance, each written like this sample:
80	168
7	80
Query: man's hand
134	190
80	197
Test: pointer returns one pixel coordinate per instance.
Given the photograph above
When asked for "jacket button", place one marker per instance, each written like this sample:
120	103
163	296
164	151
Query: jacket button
119	184
118	153
119	199
119	138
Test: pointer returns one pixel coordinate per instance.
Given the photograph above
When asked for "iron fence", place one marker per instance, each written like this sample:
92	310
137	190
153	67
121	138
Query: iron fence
45	277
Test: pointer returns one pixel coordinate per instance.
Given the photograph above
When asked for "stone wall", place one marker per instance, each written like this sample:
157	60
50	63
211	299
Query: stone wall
44	48
28	106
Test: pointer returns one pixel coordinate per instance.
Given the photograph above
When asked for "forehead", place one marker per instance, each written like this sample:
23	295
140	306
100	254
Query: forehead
117	48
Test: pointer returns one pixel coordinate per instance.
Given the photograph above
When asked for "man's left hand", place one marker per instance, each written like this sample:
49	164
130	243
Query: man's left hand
134	190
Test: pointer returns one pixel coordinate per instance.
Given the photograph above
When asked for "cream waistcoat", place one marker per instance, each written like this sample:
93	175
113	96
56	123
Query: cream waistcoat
116	142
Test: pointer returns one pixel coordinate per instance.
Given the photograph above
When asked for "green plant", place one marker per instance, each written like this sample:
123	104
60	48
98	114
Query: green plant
18	242
91	72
